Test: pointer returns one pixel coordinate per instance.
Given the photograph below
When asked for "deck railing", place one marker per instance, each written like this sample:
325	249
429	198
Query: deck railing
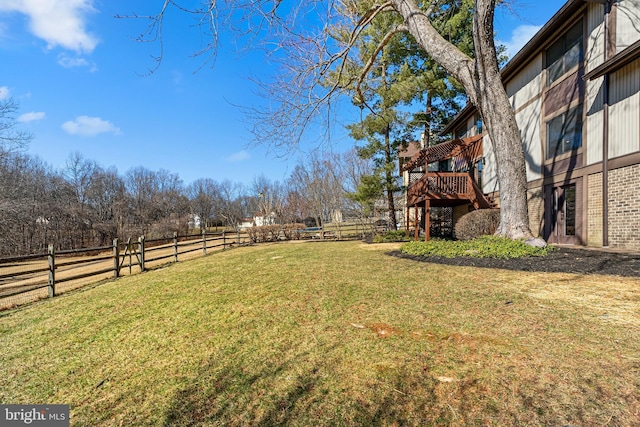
444	185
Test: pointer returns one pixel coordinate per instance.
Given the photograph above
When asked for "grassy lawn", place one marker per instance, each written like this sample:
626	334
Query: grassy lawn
331	333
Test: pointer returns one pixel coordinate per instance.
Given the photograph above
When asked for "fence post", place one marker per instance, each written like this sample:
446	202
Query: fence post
52	272
204	241
175	246
238	236
141	247
224	240
116	259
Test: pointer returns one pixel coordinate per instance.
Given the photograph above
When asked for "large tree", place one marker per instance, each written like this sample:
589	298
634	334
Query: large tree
308	51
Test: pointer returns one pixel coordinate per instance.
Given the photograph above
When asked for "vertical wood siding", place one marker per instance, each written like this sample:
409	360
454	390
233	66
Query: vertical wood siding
627	23
530	123
624	109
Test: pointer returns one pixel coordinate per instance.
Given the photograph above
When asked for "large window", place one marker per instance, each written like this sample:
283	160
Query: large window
565	53
564	132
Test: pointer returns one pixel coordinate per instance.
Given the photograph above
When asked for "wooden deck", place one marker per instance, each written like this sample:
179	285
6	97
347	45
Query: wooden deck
446	189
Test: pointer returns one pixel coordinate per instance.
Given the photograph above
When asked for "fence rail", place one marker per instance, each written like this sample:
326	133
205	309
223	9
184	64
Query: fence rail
31	277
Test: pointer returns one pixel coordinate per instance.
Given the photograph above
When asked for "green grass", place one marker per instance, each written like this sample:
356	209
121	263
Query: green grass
331	333
481	247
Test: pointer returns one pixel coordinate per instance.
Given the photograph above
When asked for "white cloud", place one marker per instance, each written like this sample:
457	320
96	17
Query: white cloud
239	156
68	62
4	92
58	22
519	37
31	117
89	126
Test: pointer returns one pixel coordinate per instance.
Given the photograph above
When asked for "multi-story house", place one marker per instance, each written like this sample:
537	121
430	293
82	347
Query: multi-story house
575	89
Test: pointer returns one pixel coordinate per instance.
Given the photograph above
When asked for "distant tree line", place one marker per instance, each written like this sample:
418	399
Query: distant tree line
86	205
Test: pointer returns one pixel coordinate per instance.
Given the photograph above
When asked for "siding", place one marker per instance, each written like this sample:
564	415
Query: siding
527	84
594	56
593	123
489	173
624	104
594	48
530	123
628	23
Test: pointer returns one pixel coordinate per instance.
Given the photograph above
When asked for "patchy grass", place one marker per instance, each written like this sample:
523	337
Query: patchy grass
331	333
481	247
392	236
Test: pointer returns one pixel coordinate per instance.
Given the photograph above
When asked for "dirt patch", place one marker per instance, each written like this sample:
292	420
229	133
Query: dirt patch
395	246
561	260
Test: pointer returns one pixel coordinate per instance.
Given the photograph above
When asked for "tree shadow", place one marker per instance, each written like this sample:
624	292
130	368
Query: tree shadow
236	393
303	390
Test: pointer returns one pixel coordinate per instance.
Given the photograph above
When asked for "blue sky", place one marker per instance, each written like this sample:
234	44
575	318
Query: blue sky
81	82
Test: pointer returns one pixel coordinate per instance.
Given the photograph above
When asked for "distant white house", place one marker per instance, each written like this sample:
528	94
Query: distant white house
260	220
257	220
194	221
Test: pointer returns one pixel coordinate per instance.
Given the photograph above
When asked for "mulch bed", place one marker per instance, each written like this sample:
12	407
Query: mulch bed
561	260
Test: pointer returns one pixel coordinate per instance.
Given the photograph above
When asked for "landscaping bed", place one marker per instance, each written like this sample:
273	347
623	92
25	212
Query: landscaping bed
560	260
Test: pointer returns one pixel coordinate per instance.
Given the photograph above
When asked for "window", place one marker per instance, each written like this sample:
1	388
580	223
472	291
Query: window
564	132
569	210
565	54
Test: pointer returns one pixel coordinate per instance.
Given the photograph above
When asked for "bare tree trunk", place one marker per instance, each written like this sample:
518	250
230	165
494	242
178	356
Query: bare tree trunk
388	179
500	120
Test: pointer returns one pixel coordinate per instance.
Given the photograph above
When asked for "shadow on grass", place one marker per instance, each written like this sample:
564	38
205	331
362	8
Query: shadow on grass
239	394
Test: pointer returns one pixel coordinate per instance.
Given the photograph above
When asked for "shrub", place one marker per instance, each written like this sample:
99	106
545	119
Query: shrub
293	231
481	247
477	223
275	232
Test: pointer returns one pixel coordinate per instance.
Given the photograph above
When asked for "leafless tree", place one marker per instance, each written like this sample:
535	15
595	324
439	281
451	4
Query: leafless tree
301	40
12	138
233	203
270	198
203	194
159	205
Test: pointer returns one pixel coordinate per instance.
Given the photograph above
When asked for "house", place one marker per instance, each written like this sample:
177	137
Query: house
575	89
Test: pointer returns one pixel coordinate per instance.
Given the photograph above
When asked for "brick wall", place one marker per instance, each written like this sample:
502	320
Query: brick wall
594	209
535	202
624	208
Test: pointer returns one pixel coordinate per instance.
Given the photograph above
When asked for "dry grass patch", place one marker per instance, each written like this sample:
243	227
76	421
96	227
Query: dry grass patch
331	334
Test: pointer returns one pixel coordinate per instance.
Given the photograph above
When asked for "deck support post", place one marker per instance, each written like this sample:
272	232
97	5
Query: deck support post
427	220
416	223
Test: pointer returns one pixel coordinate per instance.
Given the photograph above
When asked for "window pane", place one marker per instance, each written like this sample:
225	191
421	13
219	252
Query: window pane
554	137
555	71
570	210
572	57
574	34
555	51
565	53
564	133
